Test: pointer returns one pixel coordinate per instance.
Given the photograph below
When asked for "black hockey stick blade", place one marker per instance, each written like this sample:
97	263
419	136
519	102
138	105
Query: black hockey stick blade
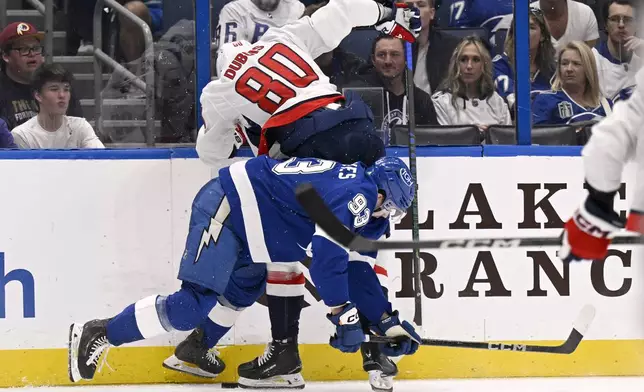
318	211
580	327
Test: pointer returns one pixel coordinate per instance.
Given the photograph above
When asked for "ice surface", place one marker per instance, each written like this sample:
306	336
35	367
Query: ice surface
598	384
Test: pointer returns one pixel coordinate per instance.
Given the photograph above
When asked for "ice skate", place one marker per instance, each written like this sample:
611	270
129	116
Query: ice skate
87	342
192	357
381	369
279	367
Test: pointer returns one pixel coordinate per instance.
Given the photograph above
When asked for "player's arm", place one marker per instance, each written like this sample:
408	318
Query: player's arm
342	276
323	31
588	233
217	138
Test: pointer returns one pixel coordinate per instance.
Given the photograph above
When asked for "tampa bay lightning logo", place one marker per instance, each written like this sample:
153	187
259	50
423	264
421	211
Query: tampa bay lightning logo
406	177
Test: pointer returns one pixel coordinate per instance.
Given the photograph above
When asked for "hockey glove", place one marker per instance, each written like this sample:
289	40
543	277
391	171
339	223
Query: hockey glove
348	332
408	342
404	24
588	233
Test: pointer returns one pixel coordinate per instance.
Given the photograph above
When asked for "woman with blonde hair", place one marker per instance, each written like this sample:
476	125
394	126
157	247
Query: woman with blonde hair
467	95
575	94
542	59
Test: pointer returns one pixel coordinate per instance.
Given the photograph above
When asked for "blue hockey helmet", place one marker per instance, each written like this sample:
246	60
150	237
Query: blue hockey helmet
394	179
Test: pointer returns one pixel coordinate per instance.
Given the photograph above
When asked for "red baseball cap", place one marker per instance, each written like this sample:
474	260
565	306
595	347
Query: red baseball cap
19	30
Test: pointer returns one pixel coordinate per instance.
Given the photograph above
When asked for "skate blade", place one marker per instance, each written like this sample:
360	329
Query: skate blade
75	332
380	383
174	363
289	381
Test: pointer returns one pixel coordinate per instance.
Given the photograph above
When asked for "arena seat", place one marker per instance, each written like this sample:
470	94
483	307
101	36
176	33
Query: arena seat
437	135
549	135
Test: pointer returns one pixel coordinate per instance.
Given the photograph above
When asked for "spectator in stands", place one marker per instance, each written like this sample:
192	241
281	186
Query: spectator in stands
467	96
542	59
575	95
389	72
432	49
131	39
6	138
569	20
22	53
131	42
52	128
490	15
249	19
340	66
619	57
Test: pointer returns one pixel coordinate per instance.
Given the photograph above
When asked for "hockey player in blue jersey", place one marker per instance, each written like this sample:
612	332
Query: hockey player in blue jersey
575	95
248	216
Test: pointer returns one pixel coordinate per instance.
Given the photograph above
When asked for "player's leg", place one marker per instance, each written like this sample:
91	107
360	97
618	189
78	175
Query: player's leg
381	369
280	365
195	355
342	132
205	270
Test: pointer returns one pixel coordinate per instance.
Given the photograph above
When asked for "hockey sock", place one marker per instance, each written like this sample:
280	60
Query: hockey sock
138	321
220	319
284	313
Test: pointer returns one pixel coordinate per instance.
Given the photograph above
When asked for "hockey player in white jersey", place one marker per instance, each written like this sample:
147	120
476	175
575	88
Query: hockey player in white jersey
615	141
277	85
248	20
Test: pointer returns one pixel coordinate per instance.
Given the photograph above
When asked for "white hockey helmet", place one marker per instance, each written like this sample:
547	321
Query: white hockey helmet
227	53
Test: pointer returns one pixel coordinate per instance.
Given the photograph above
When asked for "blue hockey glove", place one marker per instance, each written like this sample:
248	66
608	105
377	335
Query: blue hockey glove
348	332
391	326
404	23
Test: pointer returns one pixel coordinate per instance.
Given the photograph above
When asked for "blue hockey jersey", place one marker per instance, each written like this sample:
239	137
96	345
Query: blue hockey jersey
556	107
479	13
269	220
504	79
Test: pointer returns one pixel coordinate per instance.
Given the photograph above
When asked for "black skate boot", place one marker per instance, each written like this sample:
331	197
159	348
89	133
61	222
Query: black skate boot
381	369
279	367
192	357
86	344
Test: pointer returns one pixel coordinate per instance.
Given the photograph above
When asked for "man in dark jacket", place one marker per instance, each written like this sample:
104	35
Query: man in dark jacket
389	72
22	53
432	50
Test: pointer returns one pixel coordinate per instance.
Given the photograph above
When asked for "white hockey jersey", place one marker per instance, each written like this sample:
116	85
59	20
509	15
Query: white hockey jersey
276	80
614	75
491	111
242	20
615	141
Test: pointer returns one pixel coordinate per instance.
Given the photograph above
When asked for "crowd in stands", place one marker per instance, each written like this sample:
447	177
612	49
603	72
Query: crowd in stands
583	60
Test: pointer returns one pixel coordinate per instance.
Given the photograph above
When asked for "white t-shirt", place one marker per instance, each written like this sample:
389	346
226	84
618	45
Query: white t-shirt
582	24
75	132
491	111
421	79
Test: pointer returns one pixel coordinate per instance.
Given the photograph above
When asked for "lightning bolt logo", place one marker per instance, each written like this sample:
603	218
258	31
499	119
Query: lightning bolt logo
213	231
209	234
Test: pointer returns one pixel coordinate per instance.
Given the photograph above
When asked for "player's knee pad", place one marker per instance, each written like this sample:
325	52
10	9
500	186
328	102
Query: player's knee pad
224	313
285	280
151	317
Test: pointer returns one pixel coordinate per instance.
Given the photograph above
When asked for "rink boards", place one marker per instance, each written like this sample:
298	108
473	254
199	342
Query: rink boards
84	234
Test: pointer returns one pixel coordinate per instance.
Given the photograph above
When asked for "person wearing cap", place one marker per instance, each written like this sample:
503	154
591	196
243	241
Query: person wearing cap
22	54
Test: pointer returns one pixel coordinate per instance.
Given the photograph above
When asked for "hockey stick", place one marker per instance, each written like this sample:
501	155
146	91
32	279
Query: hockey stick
315	207
415	230
579	329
